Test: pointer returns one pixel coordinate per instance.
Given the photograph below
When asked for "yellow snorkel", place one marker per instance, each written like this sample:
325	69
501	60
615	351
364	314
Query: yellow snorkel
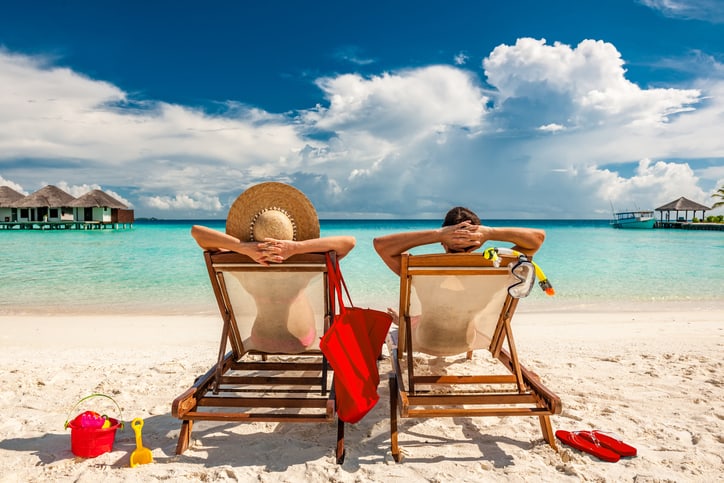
543	282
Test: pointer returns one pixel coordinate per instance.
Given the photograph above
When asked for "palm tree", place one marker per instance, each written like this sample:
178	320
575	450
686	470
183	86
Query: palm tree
719	194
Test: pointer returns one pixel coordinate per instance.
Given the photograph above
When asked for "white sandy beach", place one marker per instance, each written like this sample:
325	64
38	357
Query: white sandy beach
653	377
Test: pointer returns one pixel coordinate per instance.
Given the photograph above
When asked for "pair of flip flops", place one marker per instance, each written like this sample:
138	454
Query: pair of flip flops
599	444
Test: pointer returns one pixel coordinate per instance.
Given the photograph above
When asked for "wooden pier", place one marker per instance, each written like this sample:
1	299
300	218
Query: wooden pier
687	225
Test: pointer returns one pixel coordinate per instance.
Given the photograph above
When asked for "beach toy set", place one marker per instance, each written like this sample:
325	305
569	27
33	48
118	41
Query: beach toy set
92	434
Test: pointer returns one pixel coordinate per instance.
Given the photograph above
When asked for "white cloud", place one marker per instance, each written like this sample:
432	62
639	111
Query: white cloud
581	86
695	63
713	172
12	185
50	113
460	58
196	201
400	106
409	143
353	54
706	10
35	88
656	182
552	127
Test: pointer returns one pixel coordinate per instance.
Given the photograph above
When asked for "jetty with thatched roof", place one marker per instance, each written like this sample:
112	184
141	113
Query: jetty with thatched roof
52	208
675	214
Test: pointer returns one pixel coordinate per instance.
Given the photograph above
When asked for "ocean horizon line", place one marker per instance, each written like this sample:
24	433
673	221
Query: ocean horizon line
380	219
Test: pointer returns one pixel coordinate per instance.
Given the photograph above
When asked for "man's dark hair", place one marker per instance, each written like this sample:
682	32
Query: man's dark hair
460	214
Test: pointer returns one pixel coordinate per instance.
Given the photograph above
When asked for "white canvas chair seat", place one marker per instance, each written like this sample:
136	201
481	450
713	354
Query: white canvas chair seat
448	320
276	312
269	365
452	304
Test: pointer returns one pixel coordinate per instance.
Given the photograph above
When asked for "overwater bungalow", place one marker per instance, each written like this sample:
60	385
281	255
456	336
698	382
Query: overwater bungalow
48	204
8	196
99	207
52	208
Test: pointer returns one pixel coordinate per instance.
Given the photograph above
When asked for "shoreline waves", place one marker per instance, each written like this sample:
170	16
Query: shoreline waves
542	307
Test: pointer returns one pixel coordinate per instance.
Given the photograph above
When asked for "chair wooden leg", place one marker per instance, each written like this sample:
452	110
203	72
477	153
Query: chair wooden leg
340	442
184	436
393	419
547	428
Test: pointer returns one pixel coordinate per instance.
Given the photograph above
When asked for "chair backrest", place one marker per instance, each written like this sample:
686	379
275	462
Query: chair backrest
278	309
453	303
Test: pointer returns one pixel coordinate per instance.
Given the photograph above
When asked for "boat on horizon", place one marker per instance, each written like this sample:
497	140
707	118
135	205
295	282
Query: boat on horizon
633	219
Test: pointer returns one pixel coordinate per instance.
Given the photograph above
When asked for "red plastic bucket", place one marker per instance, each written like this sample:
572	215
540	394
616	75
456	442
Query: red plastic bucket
89	442
92	442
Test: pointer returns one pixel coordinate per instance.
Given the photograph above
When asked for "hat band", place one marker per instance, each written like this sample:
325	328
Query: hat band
272	208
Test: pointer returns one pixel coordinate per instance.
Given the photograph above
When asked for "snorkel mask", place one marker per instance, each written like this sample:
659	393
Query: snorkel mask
524	270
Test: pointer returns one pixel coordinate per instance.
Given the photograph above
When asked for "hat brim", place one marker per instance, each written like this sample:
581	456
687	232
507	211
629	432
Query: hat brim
272	195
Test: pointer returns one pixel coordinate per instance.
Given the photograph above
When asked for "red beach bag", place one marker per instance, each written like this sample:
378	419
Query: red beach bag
352	345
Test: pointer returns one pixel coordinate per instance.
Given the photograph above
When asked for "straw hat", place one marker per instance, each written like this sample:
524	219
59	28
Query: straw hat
272	210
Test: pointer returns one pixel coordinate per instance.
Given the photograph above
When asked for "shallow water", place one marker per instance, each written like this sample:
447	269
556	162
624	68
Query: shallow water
156	267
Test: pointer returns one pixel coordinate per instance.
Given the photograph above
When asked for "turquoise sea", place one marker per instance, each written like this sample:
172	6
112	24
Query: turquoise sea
157	268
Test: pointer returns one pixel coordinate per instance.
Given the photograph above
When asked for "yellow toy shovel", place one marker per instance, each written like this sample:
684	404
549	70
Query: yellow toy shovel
140	455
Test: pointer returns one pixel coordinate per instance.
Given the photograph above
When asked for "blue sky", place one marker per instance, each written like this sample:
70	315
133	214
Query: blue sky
396	109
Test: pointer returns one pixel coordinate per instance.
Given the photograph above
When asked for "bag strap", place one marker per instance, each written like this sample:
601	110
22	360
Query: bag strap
342	282
336	282
333	284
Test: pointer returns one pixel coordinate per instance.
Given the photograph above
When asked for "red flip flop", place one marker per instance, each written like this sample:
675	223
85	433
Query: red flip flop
608	441
574	440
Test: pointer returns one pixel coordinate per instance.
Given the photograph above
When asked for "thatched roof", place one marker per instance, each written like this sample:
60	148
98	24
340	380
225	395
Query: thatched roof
97	198
8	196
49	196
682	204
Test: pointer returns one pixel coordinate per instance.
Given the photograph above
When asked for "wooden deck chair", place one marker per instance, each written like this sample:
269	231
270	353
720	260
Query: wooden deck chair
452	304
273	371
